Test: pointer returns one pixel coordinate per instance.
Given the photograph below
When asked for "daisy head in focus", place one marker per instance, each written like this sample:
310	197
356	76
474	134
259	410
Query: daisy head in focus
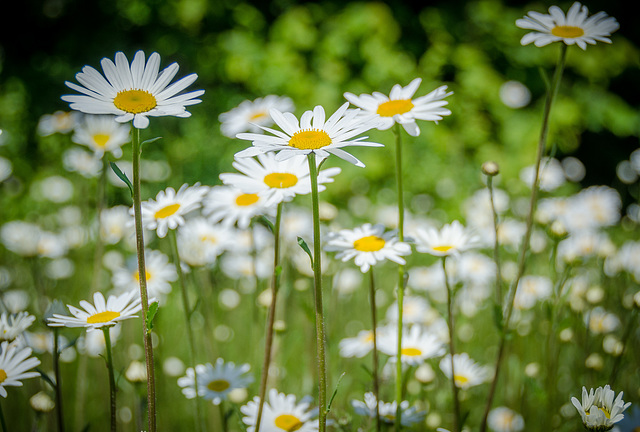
400	107
102	134
215	382
574	28
314	133
250	116
452	239
100	314
280	413
230	205
14	364
132	92
368	245
600	410
167	211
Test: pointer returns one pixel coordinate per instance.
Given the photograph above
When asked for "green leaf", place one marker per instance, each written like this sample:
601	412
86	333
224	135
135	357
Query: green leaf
149	141
335	392
122	176
305	247
46	377
497	317
266	222
151	314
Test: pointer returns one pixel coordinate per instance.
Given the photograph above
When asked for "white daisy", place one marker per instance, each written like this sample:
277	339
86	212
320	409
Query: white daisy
277	180
94	345
115	224
200	242
252	115
410	415
280	413
14	364
58	122
399	107
102	313
360	345
167	211
132	92
312	134
101	133
450	240
599	410
82	162
572	28
503	419
231	205
417	345
600	321
551	175
215	382
368	245
12	325
530	290
467	373
159	273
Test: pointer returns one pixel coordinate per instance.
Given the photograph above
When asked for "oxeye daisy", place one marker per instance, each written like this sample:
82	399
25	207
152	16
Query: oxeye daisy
215	382
280	413
12	325
387	411
252	115
313	134
466	372
167	211
599	410
278	181
573	28
102	133
503	419
231	205
399	107
159	274
14	364
368	245
450	240
200	242
417	345
100	314
362	344
132	92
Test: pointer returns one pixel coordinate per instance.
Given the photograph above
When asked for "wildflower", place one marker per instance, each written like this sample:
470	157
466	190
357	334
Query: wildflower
231	205
417	345
12	325
312	135
360	345
530	290
159	275
450	240
551	175
136	372
82	162
115	224
41	402
502	419
200	242
14	364
94	345
572	28
467	373
101	133
252	115
600	321
58	122
399	107
280	413
410	415
368	245
599	410
215	382
132	92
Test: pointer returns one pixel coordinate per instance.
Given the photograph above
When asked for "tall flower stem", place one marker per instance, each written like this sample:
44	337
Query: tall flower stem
187	318
631	325
271	316
450	323
2	421
317	276
142	277
100	205
374	323
496	244
400	275
112	380
507	308
56	373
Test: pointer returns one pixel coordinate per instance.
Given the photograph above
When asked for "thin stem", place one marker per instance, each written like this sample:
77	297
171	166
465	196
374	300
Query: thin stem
112	380
100	205
508	305
272	315
223	417
317	275
2	422
374	323
496	244
187	318
456	400
142	277
625	339
56	373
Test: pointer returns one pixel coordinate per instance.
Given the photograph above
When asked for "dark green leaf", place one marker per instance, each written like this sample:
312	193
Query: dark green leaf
151	314
122	176
305	247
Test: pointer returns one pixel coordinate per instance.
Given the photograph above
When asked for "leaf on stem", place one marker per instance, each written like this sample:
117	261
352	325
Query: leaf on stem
305	247
149	141
335	392
151	314
266	222
122	176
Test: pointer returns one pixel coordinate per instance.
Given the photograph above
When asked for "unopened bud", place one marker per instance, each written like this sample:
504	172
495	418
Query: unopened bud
490	168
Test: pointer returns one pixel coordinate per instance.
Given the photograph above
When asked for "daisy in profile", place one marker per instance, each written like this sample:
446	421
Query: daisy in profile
573	28
600	410
132	92
13	325
503	419
410	415
14	364
100	314
278	181
467	373
280	413
252	115
400	107
230	205
312	134
167	211
159	273
367	245
101	133
215	382
417	345
452	239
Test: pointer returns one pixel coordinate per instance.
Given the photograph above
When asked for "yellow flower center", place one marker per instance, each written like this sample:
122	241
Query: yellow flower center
246	199
411	352
167	211
135	101
102	317
136	275
369	337
101	140
369	244
442	248
394	107
310	139
258	115
567	31
208	239
280	180
288	422
218	385
3	376
460	380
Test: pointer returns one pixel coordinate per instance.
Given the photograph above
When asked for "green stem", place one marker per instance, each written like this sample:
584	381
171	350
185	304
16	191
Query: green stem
187	318
508	305
142	272
272	315
631	325
400	296
374	323
2	421
456	399
112	380
317	275
56	373
101	204
496	244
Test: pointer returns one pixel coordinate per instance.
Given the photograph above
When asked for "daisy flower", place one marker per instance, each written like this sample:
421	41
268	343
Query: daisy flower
467	373
280	413
231	205
215	382
84	163
360	345
417	345
58	122
399	107
503	419
12	325
368	245
599	410
14	364
278	181
410	416
132	92
450	240
252	115
102	313
201	242
167	211
312	134
101	133
159	274
572	28
531	289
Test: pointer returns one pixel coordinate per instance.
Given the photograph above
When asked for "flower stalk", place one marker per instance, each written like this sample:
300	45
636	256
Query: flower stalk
374	323
450	323
56	373
112	381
